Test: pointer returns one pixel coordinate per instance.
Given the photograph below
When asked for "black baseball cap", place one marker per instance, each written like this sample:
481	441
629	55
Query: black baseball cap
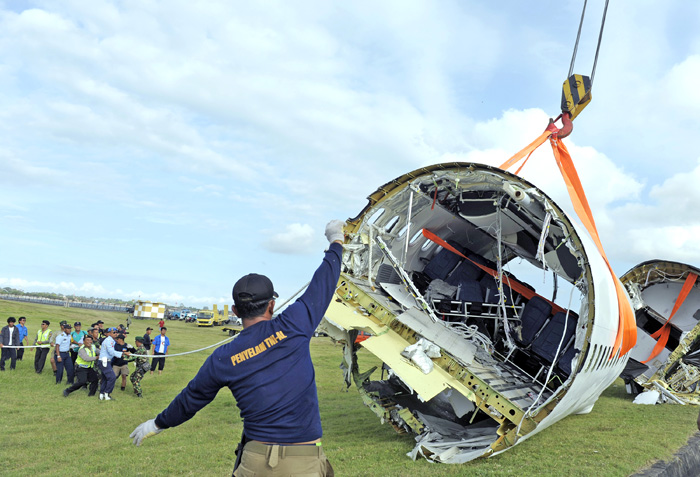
100	322
66	325
77	323
253	288
149	328
121	337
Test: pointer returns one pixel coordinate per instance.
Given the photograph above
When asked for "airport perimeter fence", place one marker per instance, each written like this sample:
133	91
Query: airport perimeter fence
67	304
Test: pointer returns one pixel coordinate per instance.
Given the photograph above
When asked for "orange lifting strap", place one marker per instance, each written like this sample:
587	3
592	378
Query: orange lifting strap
627	327
664	332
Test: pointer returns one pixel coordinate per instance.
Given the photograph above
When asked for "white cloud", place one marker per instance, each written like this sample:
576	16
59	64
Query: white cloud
294	239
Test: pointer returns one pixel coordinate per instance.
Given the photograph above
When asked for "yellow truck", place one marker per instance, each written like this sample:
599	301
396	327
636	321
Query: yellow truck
212	317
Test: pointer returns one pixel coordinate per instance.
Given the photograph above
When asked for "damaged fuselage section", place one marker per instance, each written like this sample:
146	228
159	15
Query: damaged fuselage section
665	362
474	359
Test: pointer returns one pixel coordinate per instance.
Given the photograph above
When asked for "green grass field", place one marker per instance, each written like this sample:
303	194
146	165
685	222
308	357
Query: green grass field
44	433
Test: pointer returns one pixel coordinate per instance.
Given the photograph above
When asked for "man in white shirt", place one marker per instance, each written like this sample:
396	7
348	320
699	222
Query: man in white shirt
9	336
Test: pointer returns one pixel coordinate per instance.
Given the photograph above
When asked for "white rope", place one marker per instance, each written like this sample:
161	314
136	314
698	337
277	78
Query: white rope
295	294
501	293
33	346
182	354
469	332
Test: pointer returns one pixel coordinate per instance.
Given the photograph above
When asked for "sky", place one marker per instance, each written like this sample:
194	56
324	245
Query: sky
162	149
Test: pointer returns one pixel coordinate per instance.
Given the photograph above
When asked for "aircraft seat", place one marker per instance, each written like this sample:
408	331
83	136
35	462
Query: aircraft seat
490	289
465	271
546	343
470	290
535	313
566	359
443	262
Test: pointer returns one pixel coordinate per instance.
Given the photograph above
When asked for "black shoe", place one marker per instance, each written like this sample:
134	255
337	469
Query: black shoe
65	393
139	395
123	388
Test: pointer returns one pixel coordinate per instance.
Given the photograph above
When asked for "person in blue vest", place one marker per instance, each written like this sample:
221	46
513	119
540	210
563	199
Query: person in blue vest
23	333
269	371
160	348
76	340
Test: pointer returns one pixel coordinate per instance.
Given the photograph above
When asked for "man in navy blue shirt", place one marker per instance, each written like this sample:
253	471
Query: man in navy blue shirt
268	369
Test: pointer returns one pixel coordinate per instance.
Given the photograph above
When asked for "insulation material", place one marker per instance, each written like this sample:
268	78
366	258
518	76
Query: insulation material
647	397
420	353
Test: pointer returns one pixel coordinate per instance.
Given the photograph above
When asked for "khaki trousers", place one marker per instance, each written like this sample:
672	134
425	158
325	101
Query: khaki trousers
275	460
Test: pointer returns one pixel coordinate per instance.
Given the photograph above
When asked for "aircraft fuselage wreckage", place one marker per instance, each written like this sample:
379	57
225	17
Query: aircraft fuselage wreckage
474	359
666	359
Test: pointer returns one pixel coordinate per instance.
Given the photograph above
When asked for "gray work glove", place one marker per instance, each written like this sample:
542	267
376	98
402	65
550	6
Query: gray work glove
334	231
146	429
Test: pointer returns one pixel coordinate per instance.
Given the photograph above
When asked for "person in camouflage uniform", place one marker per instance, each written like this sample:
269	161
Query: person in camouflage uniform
142	366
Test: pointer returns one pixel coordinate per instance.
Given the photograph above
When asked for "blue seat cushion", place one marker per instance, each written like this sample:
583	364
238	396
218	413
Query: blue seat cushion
489	285
465	271
545	345
565	360
470	290
535	313
443	262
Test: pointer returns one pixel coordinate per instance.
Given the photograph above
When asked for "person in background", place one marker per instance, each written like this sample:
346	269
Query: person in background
23	339
52	353
76	339
147	339
63	359
160	348
269	371
43	340
97	343
119	365
107	353
142	366
95	333
128	321
9	336
161	323
99	324
85	368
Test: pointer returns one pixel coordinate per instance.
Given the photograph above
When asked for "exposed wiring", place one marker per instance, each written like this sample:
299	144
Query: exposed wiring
549	373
